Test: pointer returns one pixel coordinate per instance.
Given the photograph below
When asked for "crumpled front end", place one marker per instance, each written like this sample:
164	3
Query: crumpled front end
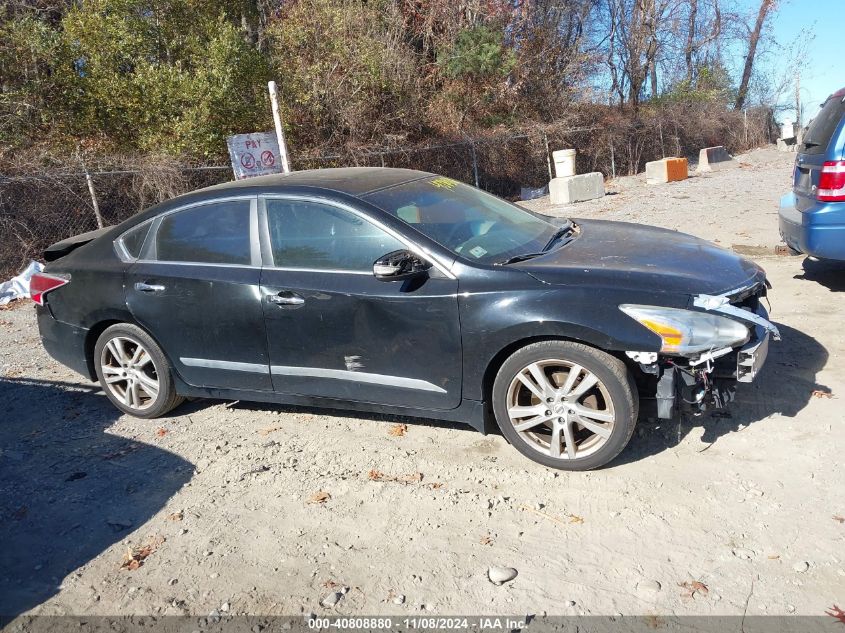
707	380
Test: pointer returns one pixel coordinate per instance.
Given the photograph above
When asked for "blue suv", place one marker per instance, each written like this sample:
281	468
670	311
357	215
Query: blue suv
812	219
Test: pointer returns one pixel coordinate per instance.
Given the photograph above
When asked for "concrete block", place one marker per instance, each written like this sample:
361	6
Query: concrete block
576	188
666	170
714	158
787	144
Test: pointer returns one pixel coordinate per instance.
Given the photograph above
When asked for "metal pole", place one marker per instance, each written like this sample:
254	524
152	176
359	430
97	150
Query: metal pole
612	162
548	156
474	164
94	202
745	119
662	149
277	120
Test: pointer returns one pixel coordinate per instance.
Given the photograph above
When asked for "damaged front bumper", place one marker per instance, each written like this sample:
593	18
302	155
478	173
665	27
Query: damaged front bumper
709	380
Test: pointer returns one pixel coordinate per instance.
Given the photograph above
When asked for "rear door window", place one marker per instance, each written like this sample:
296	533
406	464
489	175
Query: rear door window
216	233
822	128
319	236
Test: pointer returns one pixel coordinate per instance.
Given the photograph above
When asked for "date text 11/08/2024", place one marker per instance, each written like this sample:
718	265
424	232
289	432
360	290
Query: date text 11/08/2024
386	623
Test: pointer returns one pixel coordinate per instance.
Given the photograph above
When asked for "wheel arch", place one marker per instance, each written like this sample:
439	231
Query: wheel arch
100	326
498	359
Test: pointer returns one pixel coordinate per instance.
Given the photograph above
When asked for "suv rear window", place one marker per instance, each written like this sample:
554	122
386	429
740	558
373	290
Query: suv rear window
823	126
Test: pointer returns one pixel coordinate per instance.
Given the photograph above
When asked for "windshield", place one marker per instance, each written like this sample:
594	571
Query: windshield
466	220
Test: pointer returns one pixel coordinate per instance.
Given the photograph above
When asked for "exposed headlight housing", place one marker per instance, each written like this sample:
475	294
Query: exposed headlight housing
685	332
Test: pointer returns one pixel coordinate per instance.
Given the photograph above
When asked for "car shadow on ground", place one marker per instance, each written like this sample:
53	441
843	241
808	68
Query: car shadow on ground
784	387
389	418
69	490
828	273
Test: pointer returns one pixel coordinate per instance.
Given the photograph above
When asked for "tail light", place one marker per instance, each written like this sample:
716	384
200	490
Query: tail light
832	182
41	283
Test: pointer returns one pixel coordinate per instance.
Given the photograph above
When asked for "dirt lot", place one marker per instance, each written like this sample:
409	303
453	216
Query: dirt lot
262	509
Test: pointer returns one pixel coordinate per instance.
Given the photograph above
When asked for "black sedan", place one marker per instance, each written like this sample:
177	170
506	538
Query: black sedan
405	292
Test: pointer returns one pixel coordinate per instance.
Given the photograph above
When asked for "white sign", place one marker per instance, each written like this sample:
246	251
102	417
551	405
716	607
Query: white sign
254	154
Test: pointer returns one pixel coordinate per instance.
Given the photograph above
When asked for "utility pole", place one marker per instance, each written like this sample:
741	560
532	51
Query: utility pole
798	100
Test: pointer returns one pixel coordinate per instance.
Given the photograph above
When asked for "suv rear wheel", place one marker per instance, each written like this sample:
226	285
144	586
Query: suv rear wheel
565	405
134	372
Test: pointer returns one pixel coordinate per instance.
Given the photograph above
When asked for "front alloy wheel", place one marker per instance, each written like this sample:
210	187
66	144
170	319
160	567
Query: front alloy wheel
565	405
134	372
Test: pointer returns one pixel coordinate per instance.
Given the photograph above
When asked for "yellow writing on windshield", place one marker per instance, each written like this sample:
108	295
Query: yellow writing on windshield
444	183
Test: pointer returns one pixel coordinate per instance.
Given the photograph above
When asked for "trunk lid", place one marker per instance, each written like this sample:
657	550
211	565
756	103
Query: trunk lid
60	249
822	142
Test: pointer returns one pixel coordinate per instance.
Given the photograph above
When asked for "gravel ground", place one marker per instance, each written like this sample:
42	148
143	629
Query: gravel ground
243	508
736	208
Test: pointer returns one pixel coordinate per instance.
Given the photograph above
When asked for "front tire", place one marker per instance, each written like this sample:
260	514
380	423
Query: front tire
565	405
134	372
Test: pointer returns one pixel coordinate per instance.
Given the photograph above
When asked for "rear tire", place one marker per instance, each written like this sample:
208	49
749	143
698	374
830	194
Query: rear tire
565	405
134	372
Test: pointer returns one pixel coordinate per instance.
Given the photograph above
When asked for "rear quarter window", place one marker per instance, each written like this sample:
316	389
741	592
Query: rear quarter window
133	240
823	127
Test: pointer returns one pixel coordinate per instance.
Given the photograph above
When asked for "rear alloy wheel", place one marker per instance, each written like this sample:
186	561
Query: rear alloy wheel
134	372
565	405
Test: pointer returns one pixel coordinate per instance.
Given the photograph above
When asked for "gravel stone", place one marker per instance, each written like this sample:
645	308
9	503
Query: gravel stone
501	575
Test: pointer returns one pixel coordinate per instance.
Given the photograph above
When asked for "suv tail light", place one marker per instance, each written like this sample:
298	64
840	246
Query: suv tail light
41	283
832	182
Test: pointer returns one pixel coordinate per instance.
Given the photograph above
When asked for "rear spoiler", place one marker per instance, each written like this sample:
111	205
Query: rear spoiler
60	249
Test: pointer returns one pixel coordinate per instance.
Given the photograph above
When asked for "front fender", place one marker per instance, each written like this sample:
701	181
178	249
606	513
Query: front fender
494	321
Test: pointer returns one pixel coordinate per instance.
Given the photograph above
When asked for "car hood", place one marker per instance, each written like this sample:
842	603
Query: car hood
640	257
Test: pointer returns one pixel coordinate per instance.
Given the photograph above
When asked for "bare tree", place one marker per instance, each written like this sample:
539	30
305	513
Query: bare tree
704	26
766	7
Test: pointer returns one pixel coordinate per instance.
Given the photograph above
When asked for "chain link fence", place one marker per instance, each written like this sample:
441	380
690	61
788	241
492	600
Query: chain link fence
38	209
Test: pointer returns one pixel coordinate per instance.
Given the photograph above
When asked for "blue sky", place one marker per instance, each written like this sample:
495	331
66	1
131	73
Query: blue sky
824	70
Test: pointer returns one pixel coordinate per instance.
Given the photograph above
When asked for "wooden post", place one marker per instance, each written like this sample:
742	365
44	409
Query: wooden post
277	120
94	201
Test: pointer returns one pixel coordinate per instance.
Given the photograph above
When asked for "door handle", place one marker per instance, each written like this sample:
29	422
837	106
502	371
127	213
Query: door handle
145	287
286	298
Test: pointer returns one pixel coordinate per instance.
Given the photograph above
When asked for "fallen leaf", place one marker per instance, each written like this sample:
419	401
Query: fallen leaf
175	516
573	518
411	478
161	432
134	558
836	612
821	393
435	485
268	430
319	497
693	587
486	540
330	584
398	430
838	518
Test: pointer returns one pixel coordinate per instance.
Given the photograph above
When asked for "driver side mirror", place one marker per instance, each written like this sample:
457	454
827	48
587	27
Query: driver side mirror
399	266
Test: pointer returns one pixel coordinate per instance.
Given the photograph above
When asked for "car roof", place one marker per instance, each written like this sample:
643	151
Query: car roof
353	181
